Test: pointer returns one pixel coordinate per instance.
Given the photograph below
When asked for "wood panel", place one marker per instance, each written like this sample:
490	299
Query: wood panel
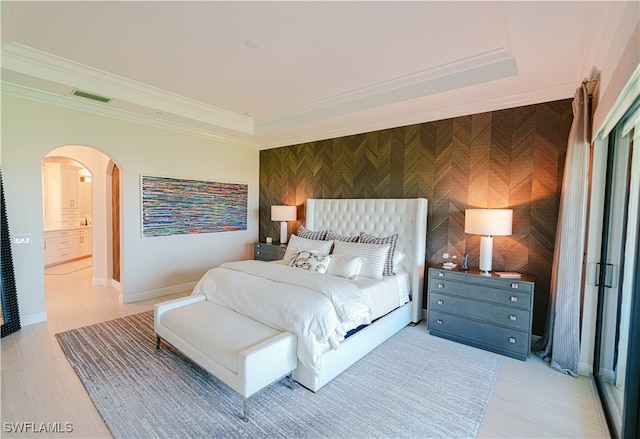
509	158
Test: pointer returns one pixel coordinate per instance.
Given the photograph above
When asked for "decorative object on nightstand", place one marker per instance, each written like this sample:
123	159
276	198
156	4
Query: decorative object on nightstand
487	312
487	223
449	265
268	252
283	214
465	262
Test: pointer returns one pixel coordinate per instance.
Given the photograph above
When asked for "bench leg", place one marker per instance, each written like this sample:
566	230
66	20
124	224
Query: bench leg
158	342
290	382
245	412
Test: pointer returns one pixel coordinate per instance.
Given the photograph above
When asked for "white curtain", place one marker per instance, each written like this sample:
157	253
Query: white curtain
560	343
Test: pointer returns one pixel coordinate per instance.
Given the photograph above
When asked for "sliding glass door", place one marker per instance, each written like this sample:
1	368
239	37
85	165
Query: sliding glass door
617	277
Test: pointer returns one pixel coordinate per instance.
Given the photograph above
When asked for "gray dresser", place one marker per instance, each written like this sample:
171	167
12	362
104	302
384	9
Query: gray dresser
268	252
487	312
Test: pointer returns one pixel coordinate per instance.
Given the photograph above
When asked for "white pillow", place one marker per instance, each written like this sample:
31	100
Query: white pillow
297	244
311	261
373	256
398	257
345	266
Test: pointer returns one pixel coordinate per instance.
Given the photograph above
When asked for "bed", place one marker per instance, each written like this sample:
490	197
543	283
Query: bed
262	290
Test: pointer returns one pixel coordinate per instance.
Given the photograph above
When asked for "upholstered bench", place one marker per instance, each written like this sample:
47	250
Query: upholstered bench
244	354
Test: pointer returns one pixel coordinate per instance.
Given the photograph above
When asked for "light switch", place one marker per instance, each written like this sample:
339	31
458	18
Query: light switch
22	238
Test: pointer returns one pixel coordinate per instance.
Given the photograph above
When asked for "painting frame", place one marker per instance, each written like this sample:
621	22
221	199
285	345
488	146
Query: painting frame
173	206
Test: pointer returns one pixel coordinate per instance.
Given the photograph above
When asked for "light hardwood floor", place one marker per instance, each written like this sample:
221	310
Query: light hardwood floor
529	400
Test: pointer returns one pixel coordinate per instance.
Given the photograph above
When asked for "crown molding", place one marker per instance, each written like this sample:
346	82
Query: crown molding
473	70
42	65
69	102
530	97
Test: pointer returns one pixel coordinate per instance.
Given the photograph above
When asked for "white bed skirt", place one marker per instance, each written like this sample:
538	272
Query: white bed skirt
336	361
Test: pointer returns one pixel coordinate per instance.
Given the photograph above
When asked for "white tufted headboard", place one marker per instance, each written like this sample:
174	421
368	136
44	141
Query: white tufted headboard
380	217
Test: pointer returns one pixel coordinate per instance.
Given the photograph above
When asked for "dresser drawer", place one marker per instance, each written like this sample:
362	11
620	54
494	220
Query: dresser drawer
515	298
487	281
490	313
483	335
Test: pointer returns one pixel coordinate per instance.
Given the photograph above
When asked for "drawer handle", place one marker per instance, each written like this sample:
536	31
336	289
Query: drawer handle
440	274
440	285
259	253
440	302
512	317
439	321
514	298
512	340
515	286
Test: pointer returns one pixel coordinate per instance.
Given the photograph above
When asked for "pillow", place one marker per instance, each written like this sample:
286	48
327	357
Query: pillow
337	237
398	257
297	244
310	261
345	266
373	256
391	240
303	232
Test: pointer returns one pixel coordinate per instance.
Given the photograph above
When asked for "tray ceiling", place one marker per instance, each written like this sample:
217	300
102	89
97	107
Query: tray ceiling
268	74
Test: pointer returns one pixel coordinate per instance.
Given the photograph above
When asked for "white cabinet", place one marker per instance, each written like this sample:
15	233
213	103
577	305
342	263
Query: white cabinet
80	243
50	248
69	181
61	195
65	245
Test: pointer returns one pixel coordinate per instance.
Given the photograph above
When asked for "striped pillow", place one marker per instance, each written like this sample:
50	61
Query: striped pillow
373	256
303	232
333	236
391	240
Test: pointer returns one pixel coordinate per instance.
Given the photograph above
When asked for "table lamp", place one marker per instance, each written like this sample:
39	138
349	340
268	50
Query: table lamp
283	214
487	223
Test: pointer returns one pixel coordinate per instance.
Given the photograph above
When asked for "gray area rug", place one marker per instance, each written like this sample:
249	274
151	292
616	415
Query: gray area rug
413	385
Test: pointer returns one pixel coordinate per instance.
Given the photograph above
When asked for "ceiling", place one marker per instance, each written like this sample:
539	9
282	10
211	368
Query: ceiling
266	74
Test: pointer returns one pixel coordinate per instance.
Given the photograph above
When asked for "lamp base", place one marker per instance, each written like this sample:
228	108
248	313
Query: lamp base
486	252
283	232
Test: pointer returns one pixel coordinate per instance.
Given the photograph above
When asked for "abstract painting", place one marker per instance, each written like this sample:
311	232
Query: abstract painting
172	206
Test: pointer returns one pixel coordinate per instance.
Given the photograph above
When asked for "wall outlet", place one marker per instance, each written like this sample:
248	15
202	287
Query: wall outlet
22	238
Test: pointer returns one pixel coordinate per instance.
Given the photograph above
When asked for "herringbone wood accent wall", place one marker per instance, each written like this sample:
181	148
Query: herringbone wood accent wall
504	159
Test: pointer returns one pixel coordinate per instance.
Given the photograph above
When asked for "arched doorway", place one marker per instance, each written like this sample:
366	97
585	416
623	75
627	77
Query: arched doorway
103	221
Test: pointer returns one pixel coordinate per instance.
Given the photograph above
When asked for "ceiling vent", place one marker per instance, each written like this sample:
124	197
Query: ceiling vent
84	94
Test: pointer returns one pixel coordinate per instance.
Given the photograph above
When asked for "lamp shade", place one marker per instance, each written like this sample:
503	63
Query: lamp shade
488	222
284	213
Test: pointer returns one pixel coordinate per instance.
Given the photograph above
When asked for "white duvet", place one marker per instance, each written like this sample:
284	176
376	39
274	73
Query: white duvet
319	309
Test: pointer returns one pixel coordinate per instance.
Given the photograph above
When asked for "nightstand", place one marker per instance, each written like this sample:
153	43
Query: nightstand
487	312
268	252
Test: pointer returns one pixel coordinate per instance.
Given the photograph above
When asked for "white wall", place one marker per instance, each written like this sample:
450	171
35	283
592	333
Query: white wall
151	266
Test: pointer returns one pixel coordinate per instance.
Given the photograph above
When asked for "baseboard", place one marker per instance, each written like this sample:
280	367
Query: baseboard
31	319
144	295
585	369
101	281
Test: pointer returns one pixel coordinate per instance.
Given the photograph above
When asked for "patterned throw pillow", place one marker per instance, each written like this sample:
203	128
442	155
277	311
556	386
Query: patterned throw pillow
333	236
391	240
303	232
310	261
296	244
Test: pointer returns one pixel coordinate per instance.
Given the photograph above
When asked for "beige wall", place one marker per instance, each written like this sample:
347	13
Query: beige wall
152	266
